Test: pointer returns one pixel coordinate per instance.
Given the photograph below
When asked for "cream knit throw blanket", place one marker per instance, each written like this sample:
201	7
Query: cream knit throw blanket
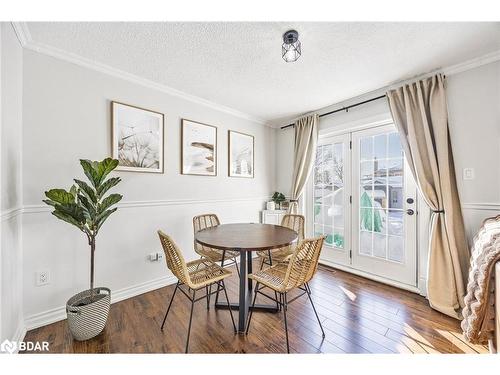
479	311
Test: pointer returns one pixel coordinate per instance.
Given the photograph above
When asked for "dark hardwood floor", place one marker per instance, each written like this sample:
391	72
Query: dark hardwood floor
359	316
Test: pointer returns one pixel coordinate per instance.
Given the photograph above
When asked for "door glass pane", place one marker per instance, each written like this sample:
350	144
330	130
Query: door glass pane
395	149
328	193
380	147
396	249
366	148
381	184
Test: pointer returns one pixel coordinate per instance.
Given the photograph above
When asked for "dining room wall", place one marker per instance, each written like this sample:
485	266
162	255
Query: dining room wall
473	95
474	122
67	117
11	287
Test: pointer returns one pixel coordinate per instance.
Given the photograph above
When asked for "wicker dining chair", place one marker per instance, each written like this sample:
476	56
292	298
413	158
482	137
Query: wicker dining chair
196	275
226	257
294	222
284	277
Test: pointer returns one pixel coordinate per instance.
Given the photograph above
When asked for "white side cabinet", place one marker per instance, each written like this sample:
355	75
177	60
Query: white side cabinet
273	216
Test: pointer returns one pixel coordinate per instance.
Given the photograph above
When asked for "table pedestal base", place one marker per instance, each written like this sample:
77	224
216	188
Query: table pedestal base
245	294
257	307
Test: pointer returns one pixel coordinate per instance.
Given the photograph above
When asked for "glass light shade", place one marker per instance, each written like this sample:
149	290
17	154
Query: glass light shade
291	51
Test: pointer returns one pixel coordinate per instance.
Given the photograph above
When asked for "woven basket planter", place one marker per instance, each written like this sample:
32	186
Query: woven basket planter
87	319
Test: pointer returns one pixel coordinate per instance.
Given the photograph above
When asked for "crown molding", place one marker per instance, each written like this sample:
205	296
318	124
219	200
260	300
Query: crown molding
22	32
448	71
24	36
472	63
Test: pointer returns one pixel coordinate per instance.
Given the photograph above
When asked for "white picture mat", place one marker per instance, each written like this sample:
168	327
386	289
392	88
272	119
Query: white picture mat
148	129
194	156
241	155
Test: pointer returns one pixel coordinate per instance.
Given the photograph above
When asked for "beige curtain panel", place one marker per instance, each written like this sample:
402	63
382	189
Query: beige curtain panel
306	140
420	112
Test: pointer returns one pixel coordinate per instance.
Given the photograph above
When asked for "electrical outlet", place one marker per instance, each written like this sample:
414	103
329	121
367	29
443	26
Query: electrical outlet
42	277
156	257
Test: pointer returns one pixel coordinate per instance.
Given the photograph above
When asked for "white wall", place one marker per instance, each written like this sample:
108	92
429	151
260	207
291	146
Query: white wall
474	110
66	117
11	129
474	121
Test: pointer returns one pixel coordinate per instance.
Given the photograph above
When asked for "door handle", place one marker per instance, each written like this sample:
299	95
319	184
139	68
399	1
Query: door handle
410	211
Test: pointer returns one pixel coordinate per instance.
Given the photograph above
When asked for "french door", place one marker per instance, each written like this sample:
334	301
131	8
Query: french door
363	199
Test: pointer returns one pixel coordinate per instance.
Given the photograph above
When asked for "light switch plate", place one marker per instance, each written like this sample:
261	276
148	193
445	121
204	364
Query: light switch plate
468	174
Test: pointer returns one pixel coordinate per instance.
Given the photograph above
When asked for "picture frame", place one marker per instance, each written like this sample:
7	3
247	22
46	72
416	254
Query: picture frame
198	148
241	154
137	138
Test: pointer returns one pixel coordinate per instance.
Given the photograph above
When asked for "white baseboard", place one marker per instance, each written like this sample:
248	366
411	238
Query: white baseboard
422	286
19	334
370	276
59	313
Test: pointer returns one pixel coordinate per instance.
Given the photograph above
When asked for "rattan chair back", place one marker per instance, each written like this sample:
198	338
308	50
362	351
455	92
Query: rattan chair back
201	222
295	223
174	258
304	262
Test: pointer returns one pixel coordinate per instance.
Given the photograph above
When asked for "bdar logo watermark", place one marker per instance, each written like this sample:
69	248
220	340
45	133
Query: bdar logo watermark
14	346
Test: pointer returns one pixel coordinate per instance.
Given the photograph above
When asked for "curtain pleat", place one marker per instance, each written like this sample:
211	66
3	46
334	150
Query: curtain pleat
420	113
306	140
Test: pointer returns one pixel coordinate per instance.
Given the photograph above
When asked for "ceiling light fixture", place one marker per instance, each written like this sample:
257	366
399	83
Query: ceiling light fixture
291	50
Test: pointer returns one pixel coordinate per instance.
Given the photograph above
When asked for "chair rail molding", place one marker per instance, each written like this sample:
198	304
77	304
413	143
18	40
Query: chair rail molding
24	36
483	206
11	213
30	209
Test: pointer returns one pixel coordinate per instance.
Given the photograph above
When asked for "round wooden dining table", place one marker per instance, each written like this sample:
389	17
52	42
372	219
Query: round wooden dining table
246	238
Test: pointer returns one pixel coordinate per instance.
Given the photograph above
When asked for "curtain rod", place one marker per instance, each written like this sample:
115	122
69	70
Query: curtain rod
342	109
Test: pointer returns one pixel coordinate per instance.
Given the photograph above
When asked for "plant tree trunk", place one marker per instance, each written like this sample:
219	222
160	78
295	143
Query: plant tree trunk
92	251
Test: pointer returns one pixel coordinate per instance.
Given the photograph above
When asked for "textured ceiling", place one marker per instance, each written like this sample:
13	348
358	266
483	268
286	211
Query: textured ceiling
239	65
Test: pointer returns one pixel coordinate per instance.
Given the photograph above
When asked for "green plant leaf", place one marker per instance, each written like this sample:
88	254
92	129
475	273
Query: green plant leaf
87	190
67	218
103	168
109	201
60	196
101	218
104	187
72	209
90	172
88	208
73	190
49	202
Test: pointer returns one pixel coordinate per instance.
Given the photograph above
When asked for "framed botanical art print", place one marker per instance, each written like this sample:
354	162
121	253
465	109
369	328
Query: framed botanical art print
241	154
137	138
198	148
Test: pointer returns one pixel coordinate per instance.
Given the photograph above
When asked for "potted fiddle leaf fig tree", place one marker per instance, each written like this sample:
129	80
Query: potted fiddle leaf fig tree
87	207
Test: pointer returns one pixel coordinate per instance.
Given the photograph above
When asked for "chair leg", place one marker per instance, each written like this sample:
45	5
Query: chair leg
169	305
222	265
190	320
252	308
315	313
228	305
278	306
261	264
237	268
308	289
208	296
286	324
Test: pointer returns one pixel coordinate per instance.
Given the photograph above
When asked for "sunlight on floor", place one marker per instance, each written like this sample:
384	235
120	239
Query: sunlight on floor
348	293
416	336
457	341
